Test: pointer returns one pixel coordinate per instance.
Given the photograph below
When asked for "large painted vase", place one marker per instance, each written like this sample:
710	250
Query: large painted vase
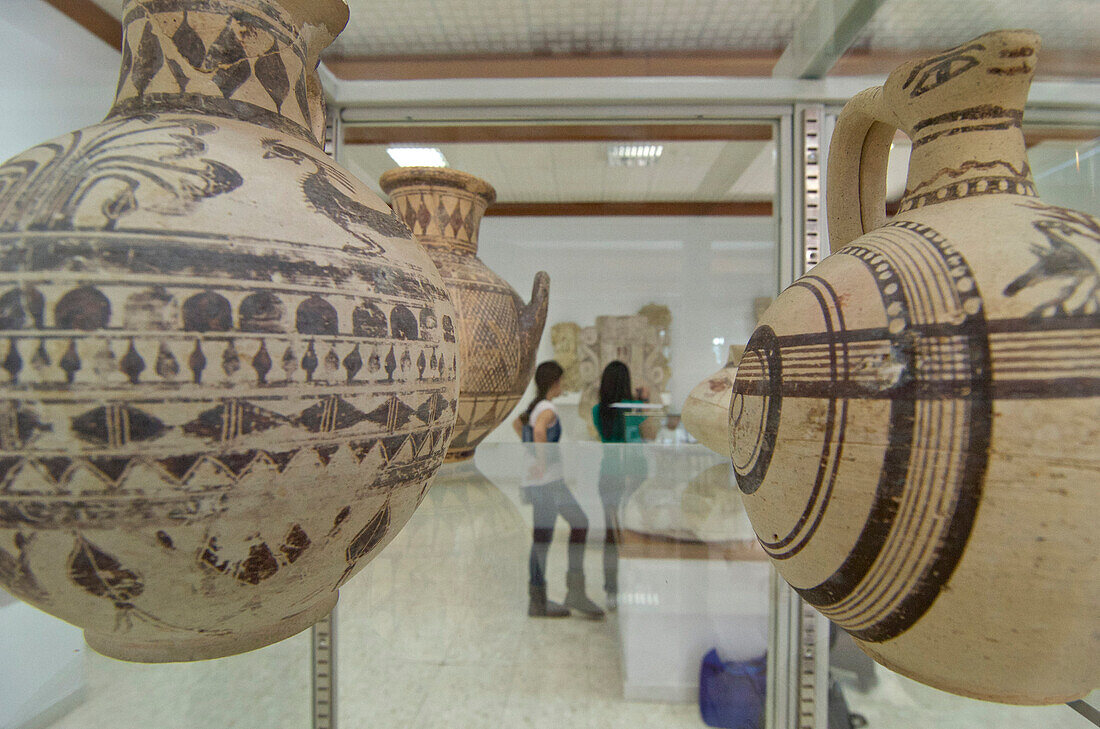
915	421
498	335
226	380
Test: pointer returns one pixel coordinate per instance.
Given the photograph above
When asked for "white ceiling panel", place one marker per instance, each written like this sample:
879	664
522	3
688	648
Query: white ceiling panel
923	24
450	27
488	27
469	27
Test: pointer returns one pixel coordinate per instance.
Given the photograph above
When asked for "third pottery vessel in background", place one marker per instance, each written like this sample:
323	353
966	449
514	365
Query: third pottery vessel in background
226	384
915	421
706	413
498	335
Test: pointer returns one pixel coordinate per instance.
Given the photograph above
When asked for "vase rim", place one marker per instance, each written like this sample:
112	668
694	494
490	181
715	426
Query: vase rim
437	176
333	15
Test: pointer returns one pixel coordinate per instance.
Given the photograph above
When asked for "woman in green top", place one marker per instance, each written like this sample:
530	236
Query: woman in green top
621	469
612	423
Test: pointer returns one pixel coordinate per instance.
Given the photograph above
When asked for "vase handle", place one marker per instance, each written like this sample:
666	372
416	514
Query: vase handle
858	154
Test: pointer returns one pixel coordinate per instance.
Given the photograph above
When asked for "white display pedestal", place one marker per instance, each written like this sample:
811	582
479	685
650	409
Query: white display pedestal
41	674
672	611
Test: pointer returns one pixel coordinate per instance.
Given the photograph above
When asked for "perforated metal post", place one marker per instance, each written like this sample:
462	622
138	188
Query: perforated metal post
798	649
811	119
323	633
324	672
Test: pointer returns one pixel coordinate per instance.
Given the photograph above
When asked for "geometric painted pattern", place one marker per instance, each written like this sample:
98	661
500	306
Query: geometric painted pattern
247	57
498	333
203	391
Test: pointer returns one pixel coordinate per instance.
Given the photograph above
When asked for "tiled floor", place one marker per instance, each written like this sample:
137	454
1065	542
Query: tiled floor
435	633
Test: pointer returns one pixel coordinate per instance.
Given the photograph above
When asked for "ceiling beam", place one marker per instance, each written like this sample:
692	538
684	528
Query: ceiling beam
452	134
588	209
860	62
594	65
92	18
823	37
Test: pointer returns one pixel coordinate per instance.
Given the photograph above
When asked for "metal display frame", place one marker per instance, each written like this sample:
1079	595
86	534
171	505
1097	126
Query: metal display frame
802	114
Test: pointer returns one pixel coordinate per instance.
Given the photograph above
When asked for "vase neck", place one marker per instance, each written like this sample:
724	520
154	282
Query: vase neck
971	152
252	60
441	218
442	206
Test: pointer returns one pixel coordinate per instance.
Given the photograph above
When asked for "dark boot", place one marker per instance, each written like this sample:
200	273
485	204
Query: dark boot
577	600
540	607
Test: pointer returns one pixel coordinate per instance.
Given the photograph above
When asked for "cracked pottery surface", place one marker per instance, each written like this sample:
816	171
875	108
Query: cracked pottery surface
914	421
226	384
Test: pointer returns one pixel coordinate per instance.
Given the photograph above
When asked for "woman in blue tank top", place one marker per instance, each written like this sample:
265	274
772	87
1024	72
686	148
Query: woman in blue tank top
545	489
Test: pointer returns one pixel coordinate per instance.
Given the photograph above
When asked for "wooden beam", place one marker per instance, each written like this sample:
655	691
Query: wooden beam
701	63
591	209
860	62
94	19
453	134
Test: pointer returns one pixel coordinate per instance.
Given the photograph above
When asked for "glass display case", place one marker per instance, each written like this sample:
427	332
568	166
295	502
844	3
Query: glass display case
438	628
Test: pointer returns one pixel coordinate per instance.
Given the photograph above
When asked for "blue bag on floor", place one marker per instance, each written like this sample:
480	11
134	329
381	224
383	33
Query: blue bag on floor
731	695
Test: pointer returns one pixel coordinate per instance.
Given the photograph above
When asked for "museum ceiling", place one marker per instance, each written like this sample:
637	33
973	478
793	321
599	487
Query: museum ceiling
744	36
709	169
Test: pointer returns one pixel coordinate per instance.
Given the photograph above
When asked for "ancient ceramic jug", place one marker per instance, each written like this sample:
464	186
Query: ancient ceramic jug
706	412
498	335
227	383
915	421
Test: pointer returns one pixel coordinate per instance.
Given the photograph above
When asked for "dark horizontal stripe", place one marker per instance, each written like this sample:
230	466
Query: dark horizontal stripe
1061	387
879	334
177	257
985	111
947	389
169	103
1014	124
1051	363
1088	324
1084	322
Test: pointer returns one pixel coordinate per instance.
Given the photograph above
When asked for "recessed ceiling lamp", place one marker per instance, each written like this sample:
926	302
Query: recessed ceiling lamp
633	155
417	156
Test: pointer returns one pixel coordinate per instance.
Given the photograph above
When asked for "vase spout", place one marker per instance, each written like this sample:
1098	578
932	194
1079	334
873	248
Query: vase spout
532	317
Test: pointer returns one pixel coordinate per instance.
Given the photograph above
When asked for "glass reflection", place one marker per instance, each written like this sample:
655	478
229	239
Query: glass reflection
545	490
437	629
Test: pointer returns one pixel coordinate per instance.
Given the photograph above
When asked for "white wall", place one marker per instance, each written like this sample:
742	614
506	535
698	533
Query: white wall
54	75
707	270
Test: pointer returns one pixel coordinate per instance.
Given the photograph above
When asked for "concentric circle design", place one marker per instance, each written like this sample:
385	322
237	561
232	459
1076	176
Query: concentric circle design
755	409
927	360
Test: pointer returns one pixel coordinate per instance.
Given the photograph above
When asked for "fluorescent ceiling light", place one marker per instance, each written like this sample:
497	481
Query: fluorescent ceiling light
633	155
417	156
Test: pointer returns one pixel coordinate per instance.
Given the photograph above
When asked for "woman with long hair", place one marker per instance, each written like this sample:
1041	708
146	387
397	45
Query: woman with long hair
539	422
613	423
621	469
544	488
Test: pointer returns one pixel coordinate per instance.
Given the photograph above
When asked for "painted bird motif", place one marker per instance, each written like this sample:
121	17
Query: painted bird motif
333	202
1065	263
